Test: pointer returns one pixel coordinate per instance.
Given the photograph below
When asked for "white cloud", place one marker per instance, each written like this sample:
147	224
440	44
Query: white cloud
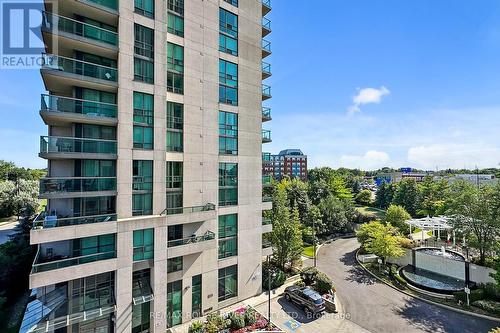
371	160
452	155
367	96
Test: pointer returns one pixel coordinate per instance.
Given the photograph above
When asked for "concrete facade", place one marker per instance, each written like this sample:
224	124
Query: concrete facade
200	158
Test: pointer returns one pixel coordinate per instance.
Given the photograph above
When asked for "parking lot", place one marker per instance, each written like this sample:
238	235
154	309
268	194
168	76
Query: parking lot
291	318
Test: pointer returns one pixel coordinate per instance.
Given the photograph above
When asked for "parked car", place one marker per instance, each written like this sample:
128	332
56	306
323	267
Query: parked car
306	298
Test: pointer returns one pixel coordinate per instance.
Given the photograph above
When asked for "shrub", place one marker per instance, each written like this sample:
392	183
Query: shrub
475	295
494	330
394	269
308	275
406	243
490	306
400	280
215	323
196	327
300	283
237	320
491	291
323	284
278	276
250	316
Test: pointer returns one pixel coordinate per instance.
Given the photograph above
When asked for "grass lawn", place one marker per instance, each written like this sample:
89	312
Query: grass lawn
367	210
308	251
417	230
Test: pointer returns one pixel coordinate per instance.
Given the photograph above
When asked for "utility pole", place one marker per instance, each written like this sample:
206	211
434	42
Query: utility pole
314	241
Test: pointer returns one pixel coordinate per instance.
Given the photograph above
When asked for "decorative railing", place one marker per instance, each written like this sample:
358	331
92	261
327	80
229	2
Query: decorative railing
59	144
53	103
209	235
79	67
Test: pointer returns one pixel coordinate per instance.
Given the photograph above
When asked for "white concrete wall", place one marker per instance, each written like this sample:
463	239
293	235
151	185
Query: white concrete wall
480	274
440	265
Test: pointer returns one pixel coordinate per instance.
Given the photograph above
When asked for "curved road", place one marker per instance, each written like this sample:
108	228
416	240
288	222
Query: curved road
380	309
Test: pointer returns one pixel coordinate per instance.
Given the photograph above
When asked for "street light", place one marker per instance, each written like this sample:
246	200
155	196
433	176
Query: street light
314	241
269	276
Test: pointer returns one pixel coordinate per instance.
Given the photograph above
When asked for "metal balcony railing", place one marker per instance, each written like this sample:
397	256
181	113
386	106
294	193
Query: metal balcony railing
266	91
187	210
53	103
209	235
266	113
266	221
79	67
266	69
43	220
77	184
39	266
267	198
266	46
59	144
266	136
266	244
57	23
266	157
266	23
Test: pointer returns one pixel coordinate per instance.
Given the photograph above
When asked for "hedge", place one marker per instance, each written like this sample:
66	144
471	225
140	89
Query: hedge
475	295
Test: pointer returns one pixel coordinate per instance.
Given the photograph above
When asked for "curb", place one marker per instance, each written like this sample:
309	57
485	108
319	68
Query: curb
427	300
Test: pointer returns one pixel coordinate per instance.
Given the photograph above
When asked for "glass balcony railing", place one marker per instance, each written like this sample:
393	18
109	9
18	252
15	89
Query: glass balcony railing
111	4
266	221
55	103
192	240
39	266
79	67
57	23
266	23
266	91
266	136
43	220
266	244
266	157
266	46
59	144
266	113
266	69
266	179
187	210
77	184
267	198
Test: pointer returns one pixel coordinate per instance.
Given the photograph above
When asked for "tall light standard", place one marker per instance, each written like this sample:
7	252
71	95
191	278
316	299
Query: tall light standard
269	276
314	241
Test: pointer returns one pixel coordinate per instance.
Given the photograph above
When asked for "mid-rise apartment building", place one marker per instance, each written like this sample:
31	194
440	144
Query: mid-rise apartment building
290	163
154	193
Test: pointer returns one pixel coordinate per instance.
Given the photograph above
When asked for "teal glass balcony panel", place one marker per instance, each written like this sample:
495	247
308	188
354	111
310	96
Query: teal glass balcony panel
59	144
55	103
267	198
266	221
266	157
39	266
111	4
142	183
266	69
266	91
187	210
266	113
266	180
266	23
77	184
43	220
57	23
266	46
266	136
209	235
78	67
266	244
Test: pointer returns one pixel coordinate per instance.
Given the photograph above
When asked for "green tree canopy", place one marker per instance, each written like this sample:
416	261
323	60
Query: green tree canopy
396	216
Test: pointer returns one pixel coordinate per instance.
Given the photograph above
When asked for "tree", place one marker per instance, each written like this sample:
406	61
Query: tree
364	198
432	196
384	195
18	198
406	195
366	231
476	214
384	243
286	237
337	214
297	196
396	216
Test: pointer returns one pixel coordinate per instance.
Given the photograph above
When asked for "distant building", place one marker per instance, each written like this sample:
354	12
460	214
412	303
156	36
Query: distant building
289	162
471	178
396	177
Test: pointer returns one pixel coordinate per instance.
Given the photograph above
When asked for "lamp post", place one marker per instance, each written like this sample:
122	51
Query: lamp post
314	241
269	276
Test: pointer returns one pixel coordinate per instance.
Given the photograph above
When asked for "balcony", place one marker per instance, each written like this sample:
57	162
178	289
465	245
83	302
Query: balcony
58	147
191	245
73	34
267	198
266	48
266	116
188	210
266	26
42	264
266	70
266	180
267	248
75	187
57	110
266	7
266	136
266	157
44	221
266	92
59	72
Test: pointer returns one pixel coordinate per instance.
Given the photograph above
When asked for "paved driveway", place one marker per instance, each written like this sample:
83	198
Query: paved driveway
381	309
6	230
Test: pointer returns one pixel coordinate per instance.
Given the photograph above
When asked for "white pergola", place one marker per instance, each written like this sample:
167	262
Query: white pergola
436	223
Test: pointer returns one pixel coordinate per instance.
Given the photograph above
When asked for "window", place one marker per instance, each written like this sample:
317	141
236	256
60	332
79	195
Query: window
175	68
228	184
228	282
228	236
143	137
143	244
141	317
175	25
144	41
143	70
196	286
228	82
174	202
93	245
95	132
92	292
143	108
228	37
176	6
174	303
94	206
228	133
174	175
228	44
175	124
95	168
142	188
174	264
232	2
141	287
145	7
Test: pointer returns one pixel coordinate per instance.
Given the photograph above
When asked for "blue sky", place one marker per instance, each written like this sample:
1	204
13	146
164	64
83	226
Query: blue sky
356	83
